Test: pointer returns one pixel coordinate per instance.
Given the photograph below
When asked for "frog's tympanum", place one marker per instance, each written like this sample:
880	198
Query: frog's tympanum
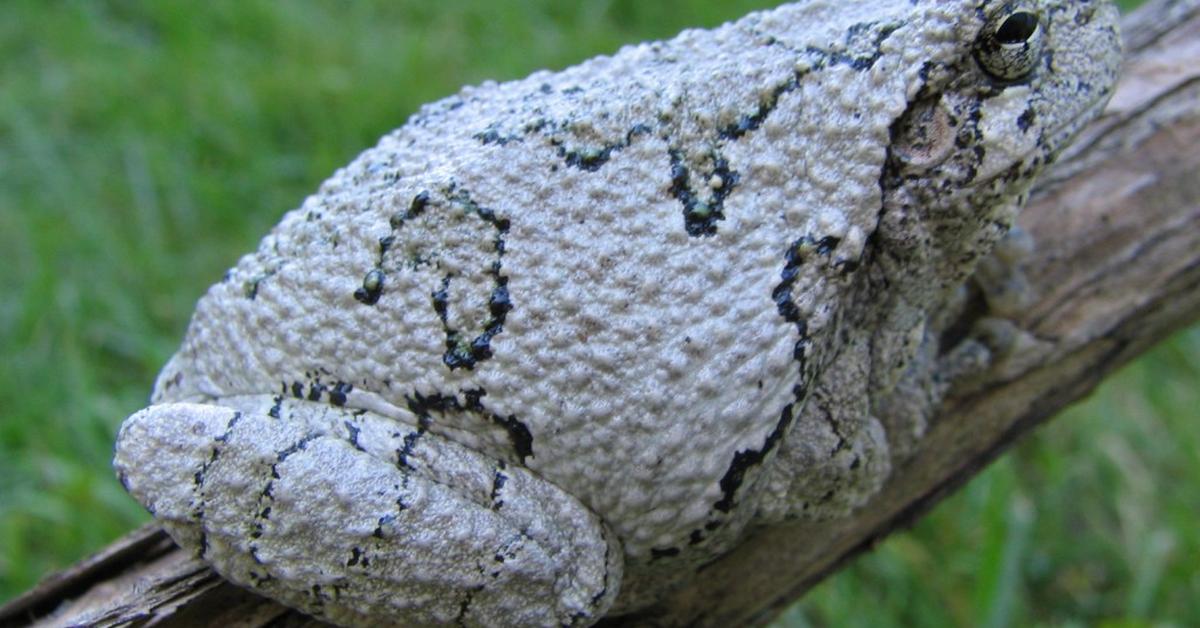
554	344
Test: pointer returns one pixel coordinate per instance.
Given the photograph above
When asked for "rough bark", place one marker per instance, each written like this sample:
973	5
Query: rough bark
1117	269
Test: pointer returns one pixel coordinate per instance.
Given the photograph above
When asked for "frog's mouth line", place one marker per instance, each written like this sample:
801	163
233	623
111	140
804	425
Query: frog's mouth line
1060	138
1055	141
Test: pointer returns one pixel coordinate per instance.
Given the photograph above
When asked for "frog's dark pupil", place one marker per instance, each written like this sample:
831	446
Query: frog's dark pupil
1018	28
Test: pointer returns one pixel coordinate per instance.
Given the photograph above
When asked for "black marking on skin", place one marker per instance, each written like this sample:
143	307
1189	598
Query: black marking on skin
258	580
275	409
422	405
415	209
798	253
336	393
492	135
250	287
748	458
410	441
518	433
173	382
372	288
386	520
201	475
299	445
507	551
352	437
591	159
1027	119
461	352
465	606
751	122
268	492
859	30
607	554
318	598
700	217
825	58
337	396
233	421
656	554
696	538
441	299
373	282
499	479
198	477
123	478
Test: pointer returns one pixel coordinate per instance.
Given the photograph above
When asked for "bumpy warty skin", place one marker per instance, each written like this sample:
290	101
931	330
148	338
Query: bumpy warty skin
568	336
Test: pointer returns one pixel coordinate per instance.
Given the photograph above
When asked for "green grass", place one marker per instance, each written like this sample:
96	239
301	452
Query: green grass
145	145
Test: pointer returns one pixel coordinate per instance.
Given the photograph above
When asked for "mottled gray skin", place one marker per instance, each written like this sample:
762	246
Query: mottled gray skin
554	343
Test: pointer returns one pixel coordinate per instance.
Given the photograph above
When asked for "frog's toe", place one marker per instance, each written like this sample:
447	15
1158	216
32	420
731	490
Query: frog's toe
1001	278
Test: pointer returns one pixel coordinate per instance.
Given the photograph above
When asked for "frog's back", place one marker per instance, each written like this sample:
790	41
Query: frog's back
557	270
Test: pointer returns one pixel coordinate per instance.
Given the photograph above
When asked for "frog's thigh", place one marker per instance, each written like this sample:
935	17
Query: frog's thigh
362	520
836	455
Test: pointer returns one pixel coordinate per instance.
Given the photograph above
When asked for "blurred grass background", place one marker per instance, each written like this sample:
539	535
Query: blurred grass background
145	145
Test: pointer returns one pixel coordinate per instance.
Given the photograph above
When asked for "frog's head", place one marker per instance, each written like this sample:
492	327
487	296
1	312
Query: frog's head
985	121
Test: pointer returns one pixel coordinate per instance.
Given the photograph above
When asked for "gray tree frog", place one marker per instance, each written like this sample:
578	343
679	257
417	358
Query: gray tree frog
554	344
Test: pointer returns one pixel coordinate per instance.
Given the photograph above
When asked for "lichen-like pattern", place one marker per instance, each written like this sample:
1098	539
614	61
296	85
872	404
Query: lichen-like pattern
555	343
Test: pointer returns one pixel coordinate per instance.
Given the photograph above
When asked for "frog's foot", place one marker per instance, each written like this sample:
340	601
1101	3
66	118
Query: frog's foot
995	336
988	343
1001	279
361	520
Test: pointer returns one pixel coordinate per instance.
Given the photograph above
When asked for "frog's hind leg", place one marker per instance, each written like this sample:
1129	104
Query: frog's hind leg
363	520
836	455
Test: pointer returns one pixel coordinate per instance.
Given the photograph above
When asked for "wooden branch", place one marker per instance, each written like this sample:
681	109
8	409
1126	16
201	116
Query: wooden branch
1117	270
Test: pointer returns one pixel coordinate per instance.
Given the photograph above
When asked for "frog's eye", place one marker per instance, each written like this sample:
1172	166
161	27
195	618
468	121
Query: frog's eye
1010	45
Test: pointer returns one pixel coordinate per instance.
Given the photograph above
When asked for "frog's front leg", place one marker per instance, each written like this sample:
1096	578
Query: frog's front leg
363	520
1001	279
994	336
964	337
